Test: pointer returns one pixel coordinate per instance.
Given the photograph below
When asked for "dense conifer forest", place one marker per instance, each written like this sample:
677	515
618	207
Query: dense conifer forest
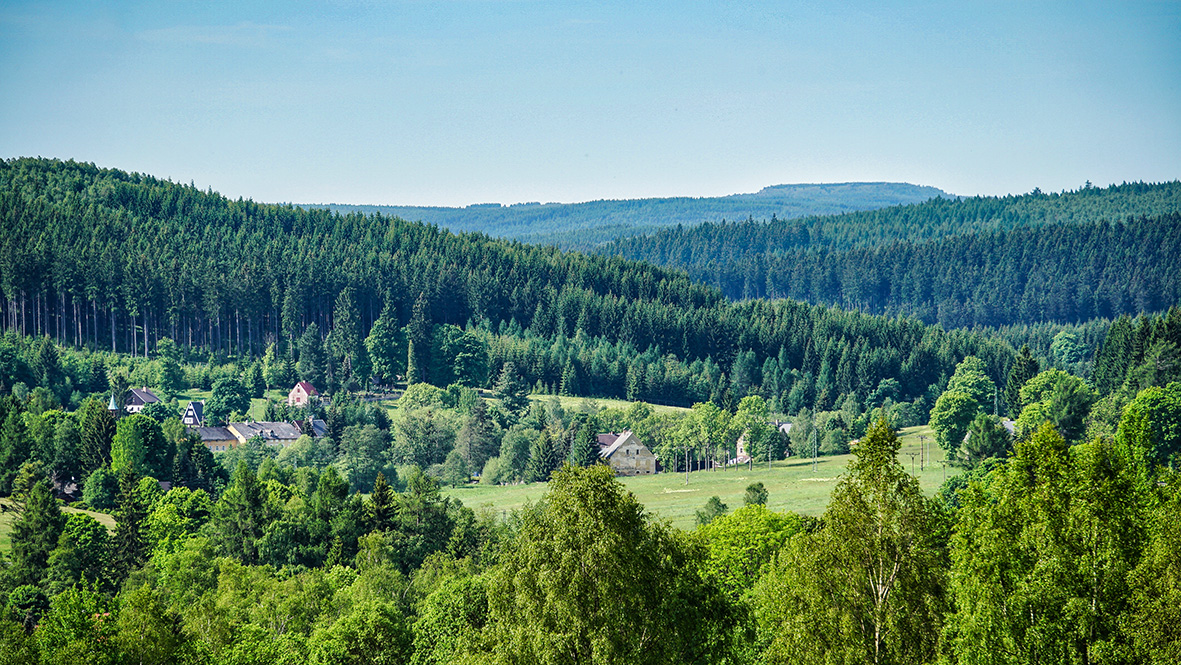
130	541
972	262
106	259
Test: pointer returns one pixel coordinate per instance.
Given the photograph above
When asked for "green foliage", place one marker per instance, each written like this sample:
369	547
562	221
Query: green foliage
1024	368
1041	555
450	621
1149	433
312	363
229	396
374	634
100	489
239	516
713	509
986	438
756	495
511	391
82	553
171	379
385	346
951	416
869	584
35	534
740	544
139	447
589	578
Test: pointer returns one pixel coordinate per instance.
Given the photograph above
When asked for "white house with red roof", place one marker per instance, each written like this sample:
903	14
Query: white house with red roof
302	394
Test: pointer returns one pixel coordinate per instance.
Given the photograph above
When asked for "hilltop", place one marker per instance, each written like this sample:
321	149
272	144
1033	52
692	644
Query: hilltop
582	225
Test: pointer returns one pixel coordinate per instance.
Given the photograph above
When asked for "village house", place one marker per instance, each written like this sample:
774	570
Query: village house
742	455
138	398
194	415
302	394
626	454
217	439
272	433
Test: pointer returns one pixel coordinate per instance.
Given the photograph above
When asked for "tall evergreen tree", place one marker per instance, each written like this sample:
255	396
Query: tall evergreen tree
312	363
239	517
129	548
543	459
35	534
1024	368
97	428
15	446
381	507
418	335
384	346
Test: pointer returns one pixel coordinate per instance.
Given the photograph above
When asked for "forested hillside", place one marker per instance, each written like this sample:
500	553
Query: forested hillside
583	225
107	259
1062	273
979	261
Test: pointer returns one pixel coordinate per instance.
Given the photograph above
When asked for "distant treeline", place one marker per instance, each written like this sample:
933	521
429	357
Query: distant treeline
981	261
107	259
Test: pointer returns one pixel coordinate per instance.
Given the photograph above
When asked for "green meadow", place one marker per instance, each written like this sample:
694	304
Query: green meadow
795	484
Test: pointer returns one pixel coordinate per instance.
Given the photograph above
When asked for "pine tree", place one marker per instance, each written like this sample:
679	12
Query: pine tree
239	517
311	357
97	427
510	390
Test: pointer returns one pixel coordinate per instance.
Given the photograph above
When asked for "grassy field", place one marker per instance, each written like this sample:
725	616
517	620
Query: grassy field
7	517
791	485
257	406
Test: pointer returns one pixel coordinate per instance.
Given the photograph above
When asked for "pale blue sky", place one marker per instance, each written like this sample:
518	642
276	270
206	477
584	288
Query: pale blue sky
451	103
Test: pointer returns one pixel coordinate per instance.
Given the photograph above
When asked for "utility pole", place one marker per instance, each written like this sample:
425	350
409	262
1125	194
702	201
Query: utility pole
912	456
923	458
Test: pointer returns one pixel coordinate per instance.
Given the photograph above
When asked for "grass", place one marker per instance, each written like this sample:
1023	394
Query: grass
257	405
7	517
791	484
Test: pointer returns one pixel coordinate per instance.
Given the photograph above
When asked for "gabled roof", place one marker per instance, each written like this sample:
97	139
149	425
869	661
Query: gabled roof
307	388
198	409
270	431
606	439
144	395
214	433
608	450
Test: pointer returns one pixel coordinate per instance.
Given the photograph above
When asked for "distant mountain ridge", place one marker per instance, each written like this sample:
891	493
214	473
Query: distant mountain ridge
584	225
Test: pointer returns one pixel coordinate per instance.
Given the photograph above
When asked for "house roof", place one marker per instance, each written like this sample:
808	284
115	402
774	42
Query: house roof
307	388
607	439
144	395
608	450
270	431
198	409
214	433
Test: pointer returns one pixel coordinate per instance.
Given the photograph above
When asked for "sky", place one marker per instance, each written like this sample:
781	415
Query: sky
470	101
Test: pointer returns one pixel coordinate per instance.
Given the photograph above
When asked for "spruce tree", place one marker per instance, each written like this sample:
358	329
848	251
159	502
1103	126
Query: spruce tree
239	517
1024	368
35	534
129	550
418	333
15	446
384	347
311	357
381	508
584	447
510	390
542	459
